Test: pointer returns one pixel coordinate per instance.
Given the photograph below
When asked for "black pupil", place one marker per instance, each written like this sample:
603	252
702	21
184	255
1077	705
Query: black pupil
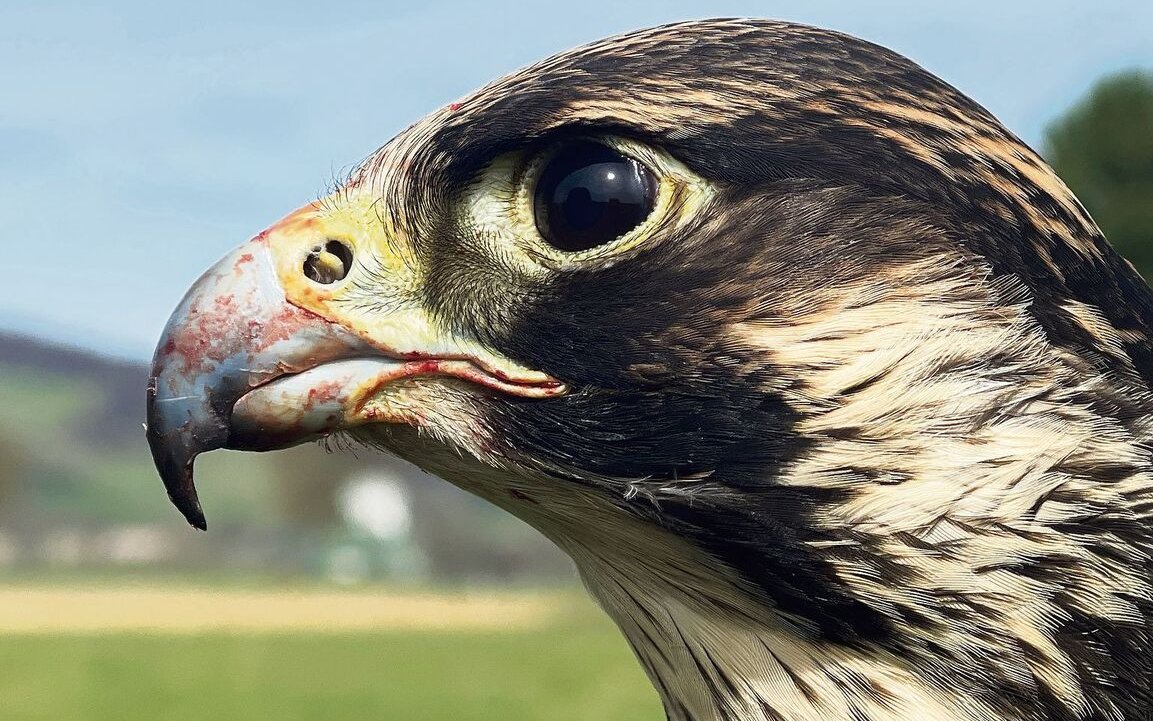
590	194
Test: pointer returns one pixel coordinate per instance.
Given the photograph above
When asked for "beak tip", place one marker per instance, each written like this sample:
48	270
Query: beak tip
183	496
198	522
177	476
189	506
176	436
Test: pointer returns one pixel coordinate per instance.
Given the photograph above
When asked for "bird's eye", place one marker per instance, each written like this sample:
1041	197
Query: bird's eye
588	194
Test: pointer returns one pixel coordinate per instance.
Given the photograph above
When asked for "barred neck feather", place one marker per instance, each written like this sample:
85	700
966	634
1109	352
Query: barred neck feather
710	662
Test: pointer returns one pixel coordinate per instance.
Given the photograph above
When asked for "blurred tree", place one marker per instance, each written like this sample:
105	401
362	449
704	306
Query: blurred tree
1103	148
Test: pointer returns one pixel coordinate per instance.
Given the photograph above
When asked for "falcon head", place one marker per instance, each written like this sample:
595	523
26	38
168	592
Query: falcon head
829	386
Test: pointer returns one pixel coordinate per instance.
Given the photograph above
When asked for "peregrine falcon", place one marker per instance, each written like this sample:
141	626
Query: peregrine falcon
832	390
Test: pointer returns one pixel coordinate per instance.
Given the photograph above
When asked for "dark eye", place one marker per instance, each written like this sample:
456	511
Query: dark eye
589	194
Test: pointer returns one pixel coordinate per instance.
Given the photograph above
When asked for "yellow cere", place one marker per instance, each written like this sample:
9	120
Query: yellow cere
387	317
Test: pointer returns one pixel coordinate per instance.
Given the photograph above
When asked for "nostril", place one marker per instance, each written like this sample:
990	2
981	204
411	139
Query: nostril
342	251
328	264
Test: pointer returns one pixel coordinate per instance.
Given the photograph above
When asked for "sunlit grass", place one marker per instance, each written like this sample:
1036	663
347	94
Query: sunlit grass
576	668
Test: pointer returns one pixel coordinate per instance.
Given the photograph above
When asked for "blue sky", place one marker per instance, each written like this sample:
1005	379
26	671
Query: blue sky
139	143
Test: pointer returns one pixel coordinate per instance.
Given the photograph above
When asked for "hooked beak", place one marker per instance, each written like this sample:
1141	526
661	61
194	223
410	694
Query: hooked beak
242	363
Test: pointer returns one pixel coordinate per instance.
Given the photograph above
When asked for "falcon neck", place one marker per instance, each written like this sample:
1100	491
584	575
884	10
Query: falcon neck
713	662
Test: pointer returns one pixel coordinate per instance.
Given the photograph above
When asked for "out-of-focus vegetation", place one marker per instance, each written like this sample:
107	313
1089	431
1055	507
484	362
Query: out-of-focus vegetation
562	674
1103	149
574	667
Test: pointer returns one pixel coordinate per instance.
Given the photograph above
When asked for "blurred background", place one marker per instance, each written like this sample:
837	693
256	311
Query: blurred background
140	141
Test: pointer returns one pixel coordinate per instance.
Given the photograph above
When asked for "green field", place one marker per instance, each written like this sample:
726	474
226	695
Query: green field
574	667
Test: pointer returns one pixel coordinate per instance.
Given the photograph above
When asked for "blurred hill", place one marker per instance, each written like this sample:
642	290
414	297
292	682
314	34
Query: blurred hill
115	418
77	489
